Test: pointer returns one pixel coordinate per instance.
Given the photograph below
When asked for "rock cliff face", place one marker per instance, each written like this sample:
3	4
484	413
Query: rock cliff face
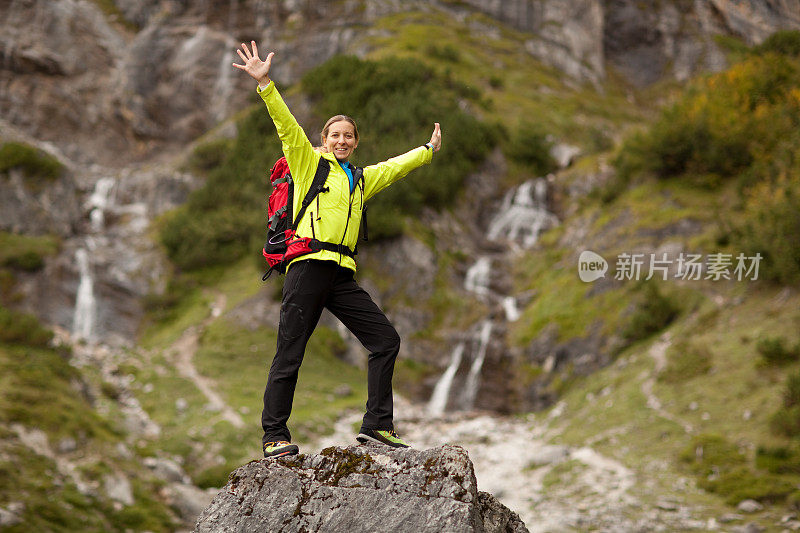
67	71
359	488
644	41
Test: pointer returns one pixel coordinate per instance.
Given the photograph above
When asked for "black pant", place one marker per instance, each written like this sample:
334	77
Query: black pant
310	286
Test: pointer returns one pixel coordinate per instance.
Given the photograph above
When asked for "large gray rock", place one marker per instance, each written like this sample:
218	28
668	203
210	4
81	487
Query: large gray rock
359	488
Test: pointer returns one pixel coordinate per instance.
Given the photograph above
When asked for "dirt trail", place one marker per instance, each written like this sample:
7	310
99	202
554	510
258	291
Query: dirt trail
512	458
183	352
658	352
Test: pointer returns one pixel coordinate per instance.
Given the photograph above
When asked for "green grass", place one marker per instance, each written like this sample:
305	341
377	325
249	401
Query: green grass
733	397
528	88
39	391
191	308
42	391
238	359
189	296
38	167
562	300
26	252
23	329
686	360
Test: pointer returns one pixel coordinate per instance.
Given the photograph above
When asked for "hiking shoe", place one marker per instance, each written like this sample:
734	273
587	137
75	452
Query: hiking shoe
389	438
280	448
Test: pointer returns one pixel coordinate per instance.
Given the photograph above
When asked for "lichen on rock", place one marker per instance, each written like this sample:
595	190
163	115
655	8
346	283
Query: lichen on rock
359	488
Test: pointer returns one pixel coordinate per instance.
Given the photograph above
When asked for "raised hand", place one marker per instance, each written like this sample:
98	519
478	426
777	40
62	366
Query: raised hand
258	70
436	138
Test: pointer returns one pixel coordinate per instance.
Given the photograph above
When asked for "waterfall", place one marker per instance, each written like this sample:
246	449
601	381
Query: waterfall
98	203
523	215
85	303
519	222
441	392
477	278
471	390
510	308
84	319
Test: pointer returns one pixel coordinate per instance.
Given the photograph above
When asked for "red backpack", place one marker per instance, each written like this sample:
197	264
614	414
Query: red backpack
283	246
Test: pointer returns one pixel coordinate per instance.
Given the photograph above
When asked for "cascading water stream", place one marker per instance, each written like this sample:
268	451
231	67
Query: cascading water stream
98	203
478	275
441	393
85	303
84	324
519	222
471	390
510	308
523	215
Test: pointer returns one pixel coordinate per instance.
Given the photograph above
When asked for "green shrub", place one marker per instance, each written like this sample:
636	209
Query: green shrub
34	163
654	311
708	453
210	155
686	360
722	468
529	146
786	421
25	252
723	125
162	307
496	82
770	225
778	460
447	52
21	328
220	221
743	483
213	477
786	42
395	102
773	351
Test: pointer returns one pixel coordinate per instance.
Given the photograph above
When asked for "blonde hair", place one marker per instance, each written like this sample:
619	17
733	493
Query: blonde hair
337	118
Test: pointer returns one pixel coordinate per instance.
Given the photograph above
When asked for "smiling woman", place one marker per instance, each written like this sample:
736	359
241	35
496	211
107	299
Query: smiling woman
324	276
340	136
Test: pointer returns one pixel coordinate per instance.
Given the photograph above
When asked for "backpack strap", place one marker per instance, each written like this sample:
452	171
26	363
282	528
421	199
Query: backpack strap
317	186
286	179
358	178
276	216
316	246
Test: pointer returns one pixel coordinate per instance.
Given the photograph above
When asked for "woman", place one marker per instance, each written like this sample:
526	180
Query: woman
325	278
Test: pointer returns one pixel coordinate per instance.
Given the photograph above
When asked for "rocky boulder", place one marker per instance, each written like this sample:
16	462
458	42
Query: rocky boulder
359	488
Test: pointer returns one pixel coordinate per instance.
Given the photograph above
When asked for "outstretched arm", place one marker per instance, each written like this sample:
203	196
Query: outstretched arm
257	69
378	177
296	147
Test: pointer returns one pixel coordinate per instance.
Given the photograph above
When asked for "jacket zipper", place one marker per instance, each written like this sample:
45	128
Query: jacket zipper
347	222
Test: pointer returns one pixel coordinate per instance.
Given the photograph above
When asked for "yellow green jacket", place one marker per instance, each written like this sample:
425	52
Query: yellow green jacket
338	217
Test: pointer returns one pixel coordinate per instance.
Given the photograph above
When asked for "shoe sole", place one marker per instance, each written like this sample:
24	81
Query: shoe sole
363	439
279	455
282	454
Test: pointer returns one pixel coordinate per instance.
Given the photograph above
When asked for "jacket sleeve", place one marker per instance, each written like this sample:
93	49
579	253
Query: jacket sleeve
296	147
379	176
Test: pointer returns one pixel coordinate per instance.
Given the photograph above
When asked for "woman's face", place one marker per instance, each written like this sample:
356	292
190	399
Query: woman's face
341	140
